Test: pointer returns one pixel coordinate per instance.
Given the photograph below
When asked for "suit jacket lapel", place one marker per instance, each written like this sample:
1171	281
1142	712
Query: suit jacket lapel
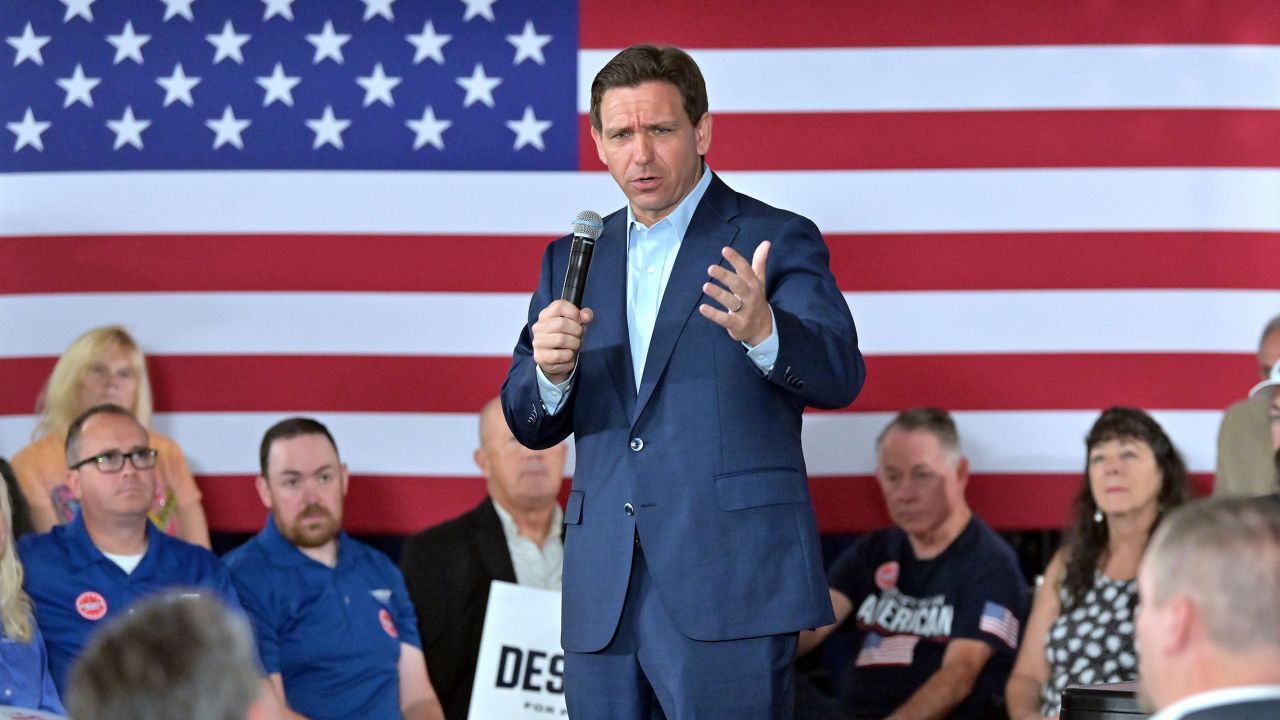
708	232
491	543
607	297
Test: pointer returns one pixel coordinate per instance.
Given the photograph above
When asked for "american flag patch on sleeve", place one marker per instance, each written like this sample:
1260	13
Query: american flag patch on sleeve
998	620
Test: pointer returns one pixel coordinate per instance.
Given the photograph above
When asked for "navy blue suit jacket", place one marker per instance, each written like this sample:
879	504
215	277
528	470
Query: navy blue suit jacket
707	453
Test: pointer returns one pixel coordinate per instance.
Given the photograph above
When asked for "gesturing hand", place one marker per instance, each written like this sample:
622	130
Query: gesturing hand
746	315
557	337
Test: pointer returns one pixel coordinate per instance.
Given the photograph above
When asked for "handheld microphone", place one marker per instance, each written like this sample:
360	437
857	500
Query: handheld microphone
587	228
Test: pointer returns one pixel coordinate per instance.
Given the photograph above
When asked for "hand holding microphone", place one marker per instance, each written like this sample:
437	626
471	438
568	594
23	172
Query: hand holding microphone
558	333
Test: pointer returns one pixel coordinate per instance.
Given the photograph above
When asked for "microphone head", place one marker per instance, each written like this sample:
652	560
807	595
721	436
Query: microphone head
588	224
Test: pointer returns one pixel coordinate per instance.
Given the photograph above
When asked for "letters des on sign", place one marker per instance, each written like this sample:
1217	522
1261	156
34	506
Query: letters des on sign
520	671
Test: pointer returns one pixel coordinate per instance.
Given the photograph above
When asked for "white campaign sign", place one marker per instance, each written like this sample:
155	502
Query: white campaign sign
520	671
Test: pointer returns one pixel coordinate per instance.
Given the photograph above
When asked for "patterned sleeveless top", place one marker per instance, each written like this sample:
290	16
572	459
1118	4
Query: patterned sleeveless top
1091	642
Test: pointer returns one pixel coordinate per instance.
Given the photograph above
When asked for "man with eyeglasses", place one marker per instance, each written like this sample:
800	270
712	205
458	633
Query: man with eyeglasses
336	629
83	574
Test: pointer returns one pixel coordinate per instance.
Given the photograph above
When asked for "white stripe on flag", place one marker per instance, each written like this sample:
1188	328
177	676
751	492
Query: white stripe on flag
979	78
886	201
487	324
1014	442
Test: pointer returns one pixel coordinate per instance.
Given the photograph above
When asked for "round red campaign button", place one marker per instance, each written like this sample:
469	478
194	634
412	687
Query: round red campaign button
387	623
887	575
91	605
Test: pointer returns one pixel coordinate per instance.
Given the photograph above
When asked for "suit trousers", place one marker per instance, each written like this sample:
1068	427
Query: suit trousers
650	670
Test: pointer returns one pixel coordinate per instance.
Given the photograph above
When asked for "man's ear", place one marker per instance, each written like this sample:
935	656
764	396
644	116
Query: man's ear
481	459
703	130
73	483
595	135
264	493
342	474
1178	620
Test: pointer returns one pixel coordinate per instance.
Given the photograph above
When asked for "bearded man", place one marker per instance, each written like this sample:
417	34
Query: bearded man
335	627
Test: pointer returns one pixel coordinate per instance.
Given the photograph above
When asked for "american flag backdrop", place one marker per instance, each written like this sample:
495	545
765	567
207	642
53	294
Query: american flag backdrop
337	207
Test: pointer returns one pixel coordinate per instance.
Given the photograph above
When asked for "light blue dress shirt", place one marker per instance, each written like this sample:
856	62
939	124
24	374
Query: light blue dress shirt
651	254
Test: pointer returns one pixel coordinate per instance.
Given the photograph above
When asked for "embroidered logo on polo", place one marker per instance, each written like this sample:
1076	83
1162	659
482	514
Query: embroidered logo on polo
388	624
893	613
91	605
382	595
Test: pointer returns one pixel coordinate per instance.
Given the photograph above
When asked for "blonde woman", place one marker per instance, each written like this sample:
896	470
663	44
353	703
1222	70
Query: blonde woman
23	660
103	365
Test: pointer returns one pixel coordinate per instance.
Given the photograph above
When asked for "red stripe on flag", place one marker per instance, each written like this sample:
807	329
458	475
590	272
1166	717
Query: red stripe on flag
1059	261
983	139
441	384
1058	382
356	263
400	505
376	504
909	23
1005	502
283	263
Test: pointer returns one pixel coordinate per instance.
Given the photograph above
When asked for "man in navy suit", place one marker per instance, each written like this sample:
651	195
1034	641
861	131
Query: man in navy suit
691	547
1208	629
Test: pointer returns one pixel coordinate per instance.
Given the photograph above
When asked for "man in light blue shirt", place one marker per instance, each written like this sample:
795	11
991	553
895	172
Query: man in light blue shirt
691	546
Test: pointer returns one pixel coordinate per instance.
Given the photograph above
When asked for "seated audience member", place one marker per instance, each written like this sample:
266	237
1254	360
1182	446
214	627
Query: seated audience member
1209	629
1250	432
103	365
513	535
936	599
82	575
24	665
20	522
1081	627
172	658
334	623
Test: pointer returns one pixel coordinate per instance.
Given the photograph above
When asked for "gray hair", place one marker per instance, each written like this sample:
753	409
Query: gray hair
935	421
179	656
1224	554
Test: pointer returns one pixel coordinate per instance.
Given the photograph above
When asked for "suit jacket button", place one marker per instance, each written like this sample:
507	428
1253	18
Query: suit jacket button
637	444
629	509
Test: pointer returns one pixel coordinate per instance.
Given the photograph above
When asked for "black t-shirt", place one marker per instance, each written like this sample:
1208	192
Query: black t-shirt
905	611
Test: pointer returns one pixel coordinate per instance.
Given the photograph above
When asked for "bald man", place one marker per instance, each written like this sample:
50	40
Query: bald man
513	535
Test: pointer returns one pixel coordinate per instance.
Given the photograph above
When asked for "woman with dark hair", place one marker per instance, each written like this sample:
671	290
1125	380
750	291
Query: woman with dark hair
1080	631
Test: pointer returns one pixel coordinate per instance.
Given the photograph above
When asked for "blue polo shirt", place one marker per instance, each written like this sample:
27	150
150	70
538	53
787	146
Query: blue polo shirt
333	634
24	674
76	589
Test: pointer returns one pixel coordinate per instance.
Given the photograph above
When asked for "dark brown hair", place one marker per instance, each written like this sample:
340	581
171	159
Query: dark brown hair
644	63
291	428
1087	538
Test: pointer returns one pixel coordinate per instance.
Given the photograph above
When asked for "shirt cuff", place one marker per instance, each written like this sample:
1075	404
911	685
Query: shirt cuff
553	395
765	354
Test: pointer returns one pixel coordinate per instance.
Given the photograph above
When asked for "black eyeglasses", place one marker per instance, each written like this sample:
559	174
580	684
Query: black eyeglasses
113	460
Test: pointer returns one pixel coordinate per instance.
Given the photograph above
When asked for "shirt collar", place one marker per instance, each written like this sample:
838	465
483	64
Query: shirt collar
682	216
285	554
1195	703
85	553
510	530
